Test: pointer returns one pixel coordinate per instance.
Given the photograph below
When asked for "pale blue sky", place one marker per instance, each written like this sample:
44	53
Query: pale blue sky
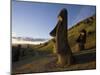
36	20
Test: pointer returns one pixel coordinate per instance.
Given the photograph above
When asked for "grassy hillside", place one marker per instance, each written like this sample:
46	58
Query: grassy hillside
37	58
88	24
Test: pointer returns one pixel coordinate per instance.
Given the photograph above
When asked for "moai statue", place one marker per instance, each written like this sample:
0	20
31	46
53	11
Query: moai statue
81	39
16	54
60	35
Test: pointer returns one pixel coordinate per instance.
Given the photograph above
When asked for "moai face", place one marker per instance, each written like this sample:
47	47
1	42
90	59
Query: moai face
62	19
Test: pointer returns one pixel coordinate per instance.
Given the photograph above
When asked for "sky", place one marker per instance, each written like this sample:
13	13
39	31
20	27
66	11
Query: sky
36	20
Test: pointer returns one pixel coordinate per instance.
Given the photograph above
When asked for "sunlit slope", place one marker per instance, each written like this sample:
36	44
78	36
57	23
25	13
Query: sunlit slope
88	24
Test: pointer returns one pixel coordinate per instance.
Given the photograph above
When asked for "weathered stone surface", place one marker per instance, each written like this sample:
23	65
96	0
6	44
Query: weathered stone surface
63	49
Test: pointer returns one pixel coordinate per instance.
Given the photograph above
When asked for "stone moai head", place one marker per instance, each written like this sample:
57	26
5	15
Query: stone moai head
62	19
62	48
60	31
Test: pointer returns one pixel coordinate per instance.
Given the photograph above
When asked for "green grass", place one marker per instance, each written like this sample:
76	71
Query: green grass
89	27
73	34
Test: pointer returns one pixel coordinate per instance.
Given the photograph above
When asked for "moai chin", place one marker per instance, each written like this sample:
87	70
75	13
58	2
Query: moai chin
60	35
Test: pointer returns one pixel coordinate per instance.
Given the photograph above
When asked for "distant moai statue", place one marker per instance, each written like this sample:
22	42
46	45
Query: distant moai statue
16	54
82	39
60	35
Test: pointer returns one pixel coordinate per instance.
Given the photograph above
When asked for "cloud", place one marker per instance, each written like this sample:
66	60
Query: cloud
14	34
20	40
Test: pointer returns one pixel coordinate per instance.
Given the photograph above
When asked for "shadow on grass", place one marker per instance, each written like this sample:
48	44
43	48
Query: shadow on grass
85	57
83	61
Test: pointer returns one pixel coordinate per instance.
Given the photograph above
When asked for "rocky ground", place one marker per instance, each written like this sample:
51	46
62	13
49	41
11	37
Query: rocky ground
84	60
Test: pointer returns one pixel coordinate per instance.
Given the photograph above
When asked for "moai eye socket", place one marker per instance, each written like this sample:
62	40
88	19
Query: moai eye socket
60	18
